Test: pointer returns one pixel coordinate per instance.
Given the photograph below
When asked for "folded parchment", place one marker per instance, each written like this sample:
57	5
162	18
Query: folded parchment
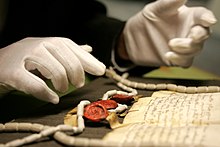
171	118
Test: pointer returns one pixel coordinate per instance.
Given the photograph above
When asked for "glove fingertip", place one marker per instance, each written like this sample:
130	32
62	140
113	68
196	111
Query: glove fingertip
54	99
80	84
178	60
168	55
208	19
94	67
86	48
199	33
49	96
101	70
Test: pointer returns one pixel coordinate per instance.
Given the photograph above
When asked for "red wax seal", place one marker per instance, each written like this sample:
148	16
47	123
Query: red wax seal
122	99
97	111
108	104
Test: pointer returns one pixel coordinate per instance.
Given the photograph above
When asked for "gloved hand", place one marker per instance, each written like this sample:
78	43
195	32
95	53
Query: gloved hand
167	32
58	59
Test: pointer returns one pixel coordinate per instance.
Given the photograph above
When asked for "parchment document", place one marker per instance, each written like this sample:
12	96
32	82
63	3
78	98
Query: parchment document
171	118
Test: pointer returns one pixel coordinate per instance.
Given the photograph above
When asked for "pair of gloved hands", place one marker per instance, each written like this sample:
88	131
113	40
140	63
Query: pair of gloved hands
165	32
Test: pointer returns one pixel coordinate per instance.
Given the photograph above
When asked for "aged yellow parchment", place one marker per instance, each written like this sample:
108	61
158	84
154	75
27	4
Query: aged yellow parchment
171	118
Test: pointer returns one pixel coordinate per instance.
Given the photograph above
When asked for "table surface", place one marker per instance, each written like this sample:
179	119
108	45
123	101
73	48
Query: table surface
24	108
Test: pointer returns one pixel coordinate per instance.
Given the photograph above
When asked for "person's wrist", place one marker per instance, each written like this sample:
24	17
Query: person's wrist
121	49
120	58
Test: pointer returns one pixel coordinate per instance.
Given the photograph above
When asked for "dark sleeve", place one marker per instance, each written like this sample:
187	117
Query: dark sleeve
88	23
83	21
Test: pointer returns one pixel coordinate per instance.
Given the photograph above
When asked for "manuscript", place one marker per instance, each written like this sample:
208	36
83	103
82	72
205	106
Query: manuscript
171	119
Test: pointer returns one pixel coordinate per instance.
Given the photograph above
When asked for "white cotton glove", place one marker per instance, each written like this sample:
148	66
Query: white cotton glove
58	59
167	32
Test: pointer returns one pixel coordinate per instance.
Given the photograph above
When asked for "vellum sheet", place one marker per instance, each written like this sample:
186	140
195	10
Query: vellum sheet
170	118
